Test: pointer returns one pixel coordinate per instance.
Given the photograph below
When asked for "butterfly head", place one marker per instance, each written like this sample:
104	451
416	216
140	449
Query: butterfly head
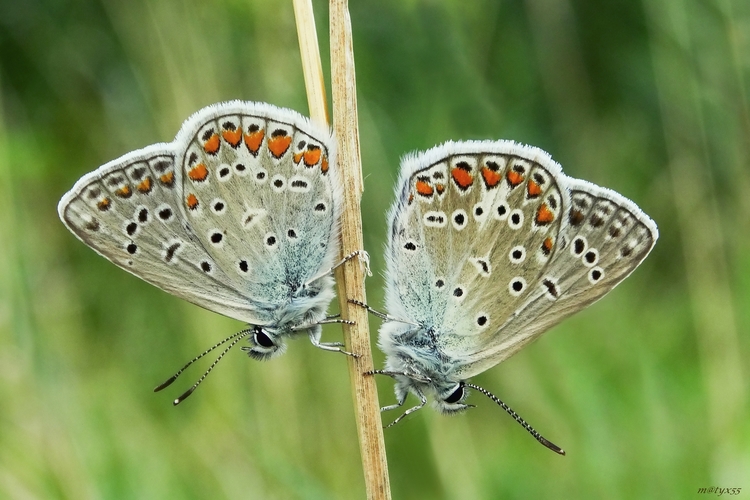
266	343
452	398
423	373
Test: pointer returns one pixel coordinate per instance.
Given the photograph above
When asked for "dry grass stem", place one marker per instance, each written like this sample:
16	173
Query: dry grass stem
350	277
311	64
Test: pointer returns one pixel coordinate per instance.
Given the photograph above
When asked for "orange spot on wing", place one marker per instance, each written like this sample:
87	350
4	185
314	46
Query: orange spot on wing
145	186
462	178
514	178
491	178
440	188
124	192
324	165
198	173
211	146
233	137
312	156
104	204
192	201
411	198
544	215
424	188
533	189
279	144
297	157
167	179
253	140
547	246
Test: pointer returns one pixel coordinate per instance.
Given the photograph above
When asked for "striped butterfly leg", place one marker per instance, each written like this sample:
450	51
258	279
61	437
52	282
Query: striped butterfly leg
364	259
402	397
381	315
316	331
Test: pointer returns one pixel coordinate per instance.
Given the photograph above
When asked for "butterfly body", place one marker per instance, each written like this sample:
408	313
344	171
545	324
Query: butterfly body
491	244
239	214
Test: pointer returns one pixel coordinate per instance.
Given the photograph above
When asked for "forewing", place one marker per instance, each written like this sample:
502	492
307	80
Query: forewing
260	195
476	217
129	212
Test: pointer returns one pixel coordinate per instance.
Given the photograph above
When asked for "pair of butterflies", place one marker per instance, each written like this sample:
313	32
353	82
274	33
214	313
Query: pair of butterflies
489	243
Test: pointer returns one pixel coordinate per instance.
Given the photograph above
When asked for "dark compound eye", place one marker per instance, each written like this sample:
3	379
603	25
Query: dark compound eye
262	339
456	396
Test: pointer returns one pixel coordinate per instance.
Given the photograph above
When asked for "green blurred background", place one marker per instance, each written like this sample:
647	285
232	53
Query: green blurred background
646	390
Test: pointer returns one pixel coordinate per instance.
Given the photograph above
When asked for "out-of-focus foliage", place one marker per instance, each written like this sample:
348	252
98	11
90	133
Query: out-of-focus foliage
646	390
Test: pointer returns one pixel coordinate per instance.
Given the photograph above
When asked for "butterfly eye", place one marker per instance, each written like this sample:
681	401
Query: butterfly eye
456	395
266	346
262	339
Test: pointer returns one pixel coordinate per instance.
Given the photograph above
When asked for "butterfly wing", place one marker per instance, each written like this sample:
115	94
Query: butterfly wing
604	237
481	247
134	211
261	197
129	212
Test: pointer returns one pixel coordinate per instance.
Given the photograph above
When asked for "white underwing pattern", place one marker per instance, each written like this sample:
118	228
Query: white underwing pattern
490	244
237	214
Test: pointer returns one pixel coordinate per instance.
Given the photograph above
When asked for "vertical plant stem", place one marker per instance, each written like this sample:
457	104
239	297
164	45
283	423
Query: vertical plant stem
311	65
349	277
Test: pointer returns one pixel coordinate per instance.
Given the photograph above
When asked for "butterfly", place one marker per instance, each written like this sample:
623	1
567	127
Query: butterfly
239	214
490	244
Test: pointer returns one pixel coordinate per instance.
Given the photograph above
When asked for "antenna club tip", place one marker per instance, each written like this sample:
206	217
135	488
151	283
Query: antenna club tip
552	446
166	384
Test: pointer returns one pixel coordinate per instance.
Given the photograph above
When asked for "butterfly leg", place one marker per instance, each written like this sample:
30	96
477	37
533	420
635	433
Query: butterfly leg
423	401
399	404
363	256
392	374
383	316
328	346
